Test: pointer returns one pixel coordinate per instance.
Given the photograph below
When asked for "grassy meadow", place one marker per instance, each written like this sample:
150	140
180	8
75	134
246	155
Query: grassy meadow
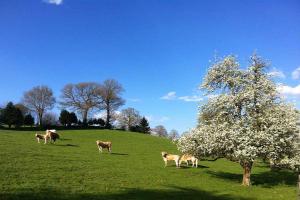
73	169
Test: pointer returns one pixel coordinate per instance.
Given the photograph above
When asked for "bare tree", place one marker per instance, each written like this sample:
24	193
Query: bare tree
173	134
39	99
50	119
109	93
128	118
161	131
81	97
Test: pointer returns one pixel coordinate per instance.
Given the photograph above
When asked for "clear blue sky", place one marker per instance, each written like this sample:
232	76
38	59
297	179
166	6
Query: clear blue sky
151	47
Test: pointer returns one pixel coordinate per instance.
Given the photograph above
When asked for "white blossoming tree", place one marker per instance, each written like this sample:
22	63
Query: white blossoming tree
245	119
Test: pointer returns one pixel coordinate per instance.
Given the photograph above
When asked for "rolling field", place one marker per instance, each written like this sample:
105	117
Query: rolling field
73	169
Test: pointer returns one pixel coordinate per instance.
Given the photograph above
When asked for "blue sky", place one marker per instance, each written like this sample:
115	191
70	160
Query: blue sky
159	50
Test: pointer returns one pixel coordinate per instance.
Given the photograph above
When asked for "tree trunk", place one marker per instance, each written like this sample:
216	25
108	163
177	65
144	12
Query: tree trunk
298	185
247	166
40	119
107	124
84	117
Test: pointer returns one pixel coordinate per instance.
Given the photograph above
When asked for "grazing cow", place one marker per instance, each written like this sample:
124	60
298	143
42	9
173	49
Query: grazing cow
52	135
105	145
167	157
186	158
39	137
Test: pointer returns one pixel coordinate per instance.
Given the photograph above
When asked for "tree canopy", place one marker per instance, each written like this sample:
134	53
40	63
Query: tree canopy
129	118
161	131
144	126
110	95
29	120
80	97
245	120
39	99
173	135
11	115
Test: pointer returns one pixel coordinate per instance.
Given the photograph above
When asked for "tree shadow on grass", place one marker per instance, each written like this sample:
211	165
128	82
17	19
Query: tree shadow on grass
265	179
173	193
272	178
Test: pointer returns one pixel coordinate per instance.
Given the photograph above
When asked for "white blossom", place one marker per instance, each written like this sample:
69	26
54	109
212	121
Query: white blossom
246	121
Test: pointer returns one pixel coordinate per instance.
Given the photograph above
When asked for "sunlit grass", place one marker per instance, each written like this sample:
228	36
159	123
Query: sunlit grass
73	169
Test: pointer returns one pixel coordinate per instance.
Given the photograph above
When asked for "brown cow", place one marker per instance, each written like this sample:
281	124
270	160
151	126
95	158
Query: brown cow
105	145
52	135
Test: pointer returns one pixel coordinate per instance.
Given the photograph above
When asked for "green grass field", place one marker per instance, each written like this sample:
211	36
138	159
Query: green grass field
73	169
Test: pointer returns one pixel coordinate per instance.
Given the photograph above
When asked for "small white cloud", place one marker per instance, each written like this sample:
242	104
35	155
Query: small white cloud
169	96
56	2
276	73
296	73
289	90
191	98
153	119
172	96
163	119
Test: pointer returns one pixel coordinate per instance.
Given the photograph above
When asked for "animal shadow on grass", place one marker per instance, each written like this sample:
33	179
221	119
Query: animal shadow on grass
172	193
190	167
65	139
265	179
119	154
67	145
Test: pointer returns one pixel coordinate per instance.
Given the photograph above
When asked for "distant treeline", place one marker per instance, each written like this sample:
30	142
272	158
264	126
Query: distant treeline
33	111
